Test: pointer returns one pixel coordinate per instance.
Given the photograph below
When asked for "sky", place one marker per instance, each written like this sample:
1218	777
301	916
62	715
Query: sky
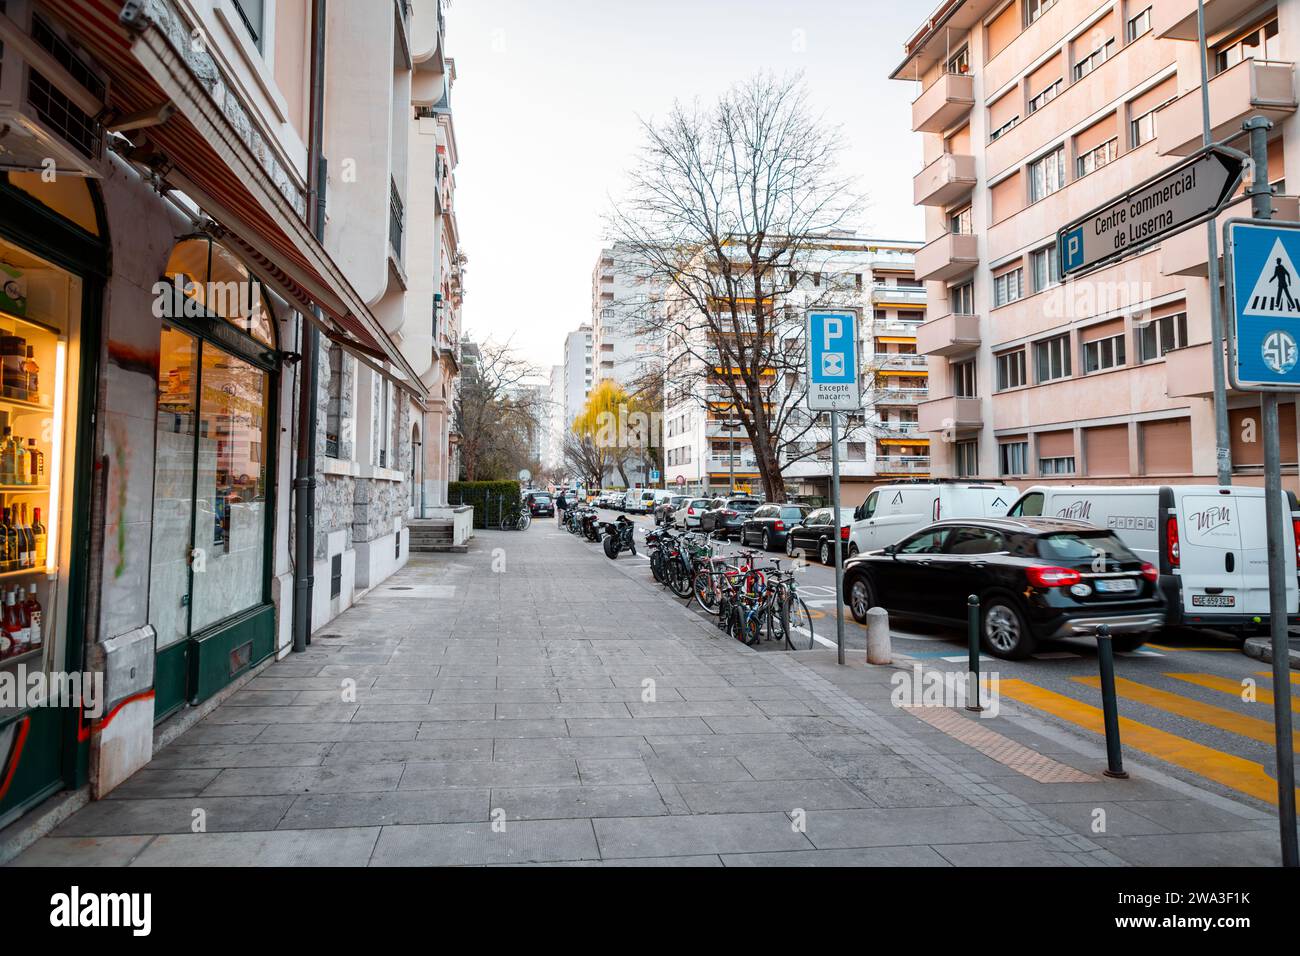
547	108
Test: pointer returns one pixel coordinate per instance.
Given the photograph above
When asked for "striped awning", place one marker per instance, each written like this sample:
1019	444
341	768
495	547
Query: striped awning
148	52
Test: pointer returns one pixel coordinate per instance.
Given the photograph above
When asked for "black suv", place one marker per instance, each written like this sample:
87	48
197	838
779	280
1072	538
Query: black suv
726	515
1037	579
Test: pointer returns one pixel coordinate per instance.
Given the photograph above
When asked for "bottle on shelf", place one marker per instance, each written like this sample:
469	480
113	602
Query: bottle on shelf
33	613
31	375
13	625
40	538
6	554
13	351
8	458
35	463
11	538
26	544
22	469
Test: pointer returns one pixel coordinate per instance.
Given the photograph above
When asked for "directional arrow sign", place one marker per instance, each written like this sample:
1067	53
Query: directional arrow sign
1191	192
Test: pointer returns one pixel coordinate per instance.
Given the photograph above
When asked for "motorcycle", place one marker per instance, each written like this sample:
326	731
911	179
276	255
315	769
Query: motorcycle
589	523
619	536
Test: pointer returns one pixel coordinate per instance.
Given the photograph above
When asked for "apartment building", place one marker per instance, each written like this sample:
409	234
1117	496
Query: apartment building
182	226
1031	113
882	441
621	297
579	374
554	455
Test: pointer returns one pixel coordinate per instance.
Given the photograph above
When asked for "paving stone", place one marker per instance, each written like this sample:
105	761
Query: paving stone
317	811
458	844
493	728
682	836
696	769
163	783
333	731
490	773
636	726
905	827
538	748
175	815
181	754
83	851
1024	853
334	847
551	803
273	780
446	748
597	771
873	857
783	795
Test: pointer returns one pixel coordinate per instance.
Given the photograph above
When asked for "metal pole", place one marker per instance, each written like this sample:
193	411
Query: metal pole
1261	207
1109	705
973	653
731	456
1218	361
839	547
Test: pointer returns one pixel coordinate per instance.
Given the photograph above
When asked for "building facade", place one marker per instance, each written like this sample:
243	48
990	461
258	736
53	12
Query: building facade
1031	113
184	223
578	372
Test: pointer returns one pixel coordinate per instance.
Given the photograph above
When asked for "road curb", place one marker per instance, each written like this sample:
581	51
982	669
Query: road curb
1261	648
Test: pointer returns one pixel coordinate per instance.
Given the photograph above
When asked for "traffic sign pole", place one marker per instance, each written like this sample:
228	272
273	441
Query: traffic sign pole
839	546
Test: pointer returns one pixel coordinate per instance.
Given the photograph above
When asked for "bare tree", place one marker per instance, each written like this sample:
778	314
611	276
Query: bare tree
730	217
586	457
494	413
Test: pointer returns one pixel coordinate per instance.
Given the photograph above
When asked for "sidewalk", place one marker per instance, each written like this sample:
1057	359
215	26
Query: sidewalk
502	714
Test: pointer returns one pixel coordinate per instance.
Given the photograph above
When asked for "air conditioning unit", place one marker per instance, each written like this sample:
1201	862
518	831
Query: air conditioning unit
51	98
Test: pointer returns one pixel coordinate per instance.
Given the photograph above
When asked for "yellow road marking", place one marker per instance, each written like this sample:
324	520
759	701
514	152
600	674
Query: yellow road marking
1236	773
1295	678
1224	719
1165	647
1224	684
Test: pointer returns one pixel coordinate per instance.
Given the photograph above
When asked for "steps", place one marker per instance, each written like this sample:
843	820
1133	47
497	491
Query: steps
432	535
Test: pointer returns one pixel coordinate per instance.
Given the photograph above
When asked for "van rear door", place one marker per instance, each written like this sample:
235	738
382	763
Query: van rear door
1211	560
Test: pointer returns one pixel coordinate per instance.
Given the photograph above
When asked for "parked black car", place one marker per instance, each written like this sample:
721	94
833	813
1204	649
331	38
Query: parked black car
815	536
1036	578
725	516
769	525
541	505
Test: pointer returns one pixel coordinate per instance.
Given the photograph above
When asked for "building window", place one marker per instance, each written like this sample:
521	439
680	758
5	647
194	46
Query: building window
1043	262
1052	359
252	12
1161	335
857	451
1011	369
1103	354
960	223
962	298
1097	157
1047	175
1008	287
334	406
1036	8
1046	96
966	459
1143	128
1013	457
1093	60
1138	25
959	62
1056	466
963	379
1004	127
1259	42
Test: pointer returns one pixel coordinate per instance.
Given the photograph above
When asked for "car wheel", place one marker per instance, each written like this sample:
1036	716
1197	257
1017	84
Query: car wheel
853	551
789	547
824	553
767	541
861	598
1004	631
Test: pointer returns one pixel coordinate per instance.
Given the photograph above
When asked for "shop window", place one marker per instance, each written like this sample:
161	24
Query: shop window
69	196
221	286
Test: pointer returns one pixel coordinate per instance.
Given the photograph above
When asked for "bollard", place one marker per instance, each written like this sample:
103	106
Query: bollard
973	653
878	646
1109	705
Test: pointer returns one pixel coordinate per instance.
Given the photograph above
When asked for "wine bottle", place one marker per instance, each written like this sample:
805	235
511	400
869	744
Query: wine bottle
40	538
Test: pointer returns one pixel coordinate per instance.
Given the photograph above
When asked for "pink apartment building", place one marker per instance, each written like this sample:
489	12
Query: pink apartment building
1031	113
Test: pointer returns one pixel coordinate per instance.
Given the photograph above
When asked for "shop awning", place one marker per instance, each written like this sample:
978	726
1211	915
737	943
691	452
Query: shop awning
217	164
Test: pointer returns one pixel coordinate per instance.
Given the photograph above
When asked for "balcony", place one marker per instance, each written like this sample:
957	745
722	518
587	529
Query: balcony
899	296
900	396
724	463
944	181
947	100
951	414
887	429
396	219
1187	253
949	335
1188	373
1266	87
1176	19
903	465
899	360
951	255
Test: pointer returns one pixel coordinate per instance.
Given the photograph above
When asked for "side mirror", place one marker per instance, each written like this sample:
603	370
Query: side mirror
891	549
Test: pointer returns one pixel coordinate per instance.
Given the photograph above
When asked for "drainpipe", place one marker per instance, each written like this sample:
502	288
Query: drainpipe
304	483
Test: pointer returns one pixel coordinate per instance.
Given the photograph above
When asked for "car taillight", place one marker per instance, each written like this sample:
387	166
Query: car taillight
1150	572
844	533
779	526
690	511
1295	534
1172	551
1051	577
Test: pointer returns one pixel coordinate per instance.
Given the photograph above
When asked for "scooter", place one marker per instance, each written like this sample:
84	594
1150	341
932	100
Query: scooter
619	536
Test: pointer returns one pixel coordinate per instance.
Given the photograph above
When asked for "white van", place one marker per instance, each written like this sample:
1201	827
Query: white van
892	512
1209	543
640	501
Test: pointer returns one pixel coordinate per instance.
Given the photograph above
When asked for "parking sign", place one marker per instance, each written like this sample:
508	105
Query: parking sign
833	384
1264	303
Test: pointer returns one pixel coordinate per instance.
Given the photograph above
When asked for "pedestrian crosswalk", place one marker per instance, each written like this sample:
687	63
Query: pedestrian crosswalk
1230	769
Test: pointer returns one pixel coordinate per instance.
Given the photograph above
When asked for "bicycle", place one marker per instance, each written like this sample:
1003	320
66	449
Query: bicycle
792	621
517	519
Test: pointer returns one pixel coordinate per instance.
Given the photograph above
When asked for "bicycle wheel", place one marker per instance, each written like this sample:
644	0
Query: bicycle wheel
508	523
796	622
525	519
702	589
679	579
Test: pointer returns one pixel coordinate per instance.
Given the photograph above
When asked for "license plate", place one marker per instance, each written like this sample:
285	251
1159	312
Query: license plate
1116	586
1214	600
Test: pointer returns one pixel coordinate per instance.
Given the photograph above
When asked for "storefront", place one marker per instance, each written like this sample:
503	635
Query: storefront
213	500
53	263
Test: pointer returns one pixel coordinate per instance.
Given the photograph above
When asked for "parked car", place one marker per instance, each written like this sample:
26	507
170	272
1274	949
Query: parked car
724	516
640	501
770	524
816	535
1210	544
542	505
689	512
667	507
1036	578
893	511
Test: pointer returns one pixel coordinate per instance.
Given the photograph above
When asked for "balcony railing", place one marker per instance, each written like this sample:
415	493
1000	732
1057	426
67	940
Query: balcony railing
887	429
913	296
901	396
903	464
899	360
396	219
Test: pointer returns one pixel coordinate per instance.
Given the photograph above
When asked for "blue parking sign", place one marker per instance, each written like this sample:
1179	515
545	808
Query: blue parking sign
1264	303
833	360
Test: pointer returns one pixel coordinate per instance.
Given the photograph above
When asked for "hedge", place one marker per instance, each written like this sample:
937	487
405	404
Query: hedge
489	498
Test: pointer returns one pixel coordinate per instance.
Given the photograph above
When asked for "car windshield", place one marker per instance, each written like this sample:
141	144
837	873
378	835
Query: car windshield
543	499
744	504
1083	546
793	513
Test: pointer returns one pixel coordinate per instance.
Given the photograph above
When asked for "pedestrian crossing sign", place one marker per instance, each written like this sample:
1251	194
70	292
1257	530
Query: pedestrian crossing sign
1264	304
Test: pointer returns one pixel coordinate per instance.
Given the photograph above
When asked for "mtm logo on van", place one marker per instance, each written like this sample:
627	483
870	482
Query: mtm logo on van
833	361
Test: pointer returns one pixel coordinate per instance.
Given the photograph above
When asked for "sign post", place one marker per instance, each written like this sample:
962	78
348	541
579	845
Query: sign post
834	386
1260	258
